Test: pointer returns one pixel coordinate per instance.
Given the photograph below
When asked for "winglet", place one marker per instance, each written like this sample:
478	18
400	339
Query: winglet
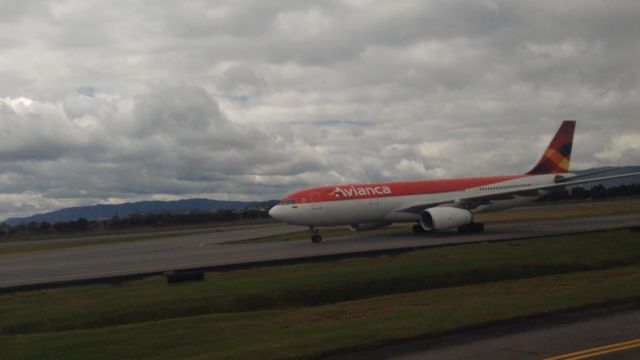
556	158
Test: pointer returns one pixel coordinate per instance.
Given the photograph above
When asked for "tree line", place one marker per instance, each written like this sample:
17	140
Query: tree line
134	221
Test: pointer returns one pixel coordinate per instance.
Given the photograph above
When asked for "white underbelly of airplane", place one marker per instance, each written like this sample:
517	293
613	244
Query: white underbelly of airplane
342	212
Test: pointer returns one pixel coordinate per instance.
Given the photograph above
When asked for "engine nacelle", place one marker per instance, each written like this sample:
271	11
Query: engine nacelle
368	226
442	218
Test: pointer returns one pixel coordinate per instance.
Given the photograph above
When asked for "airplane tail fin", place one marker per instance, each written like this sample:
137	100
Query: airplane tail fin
556	158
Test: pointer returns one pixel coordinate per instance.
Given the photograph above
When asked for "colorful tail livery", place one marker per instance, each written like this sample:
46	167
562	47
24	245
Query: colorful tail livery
434	205
558	155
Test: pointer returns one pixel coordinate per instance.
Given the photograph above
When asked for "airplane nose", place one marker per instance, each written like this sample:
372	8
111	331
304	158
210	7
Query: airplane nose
274	212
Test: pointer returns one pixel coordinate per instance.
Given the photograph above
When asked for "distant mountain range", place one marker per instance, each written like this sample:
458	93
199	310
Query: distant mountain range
104	211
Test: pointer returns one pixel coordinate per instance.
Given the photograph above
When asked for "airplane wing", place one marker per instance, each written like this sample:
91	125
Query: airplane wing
470	202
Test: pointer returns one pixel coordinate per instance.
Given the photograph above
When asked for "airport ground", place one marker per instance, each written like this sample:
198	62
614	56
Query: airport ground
318	308
543	211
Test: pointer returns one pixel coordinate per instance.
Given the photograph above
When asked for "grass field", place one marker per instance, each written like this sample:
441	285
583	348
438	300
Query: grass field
305	332
308	309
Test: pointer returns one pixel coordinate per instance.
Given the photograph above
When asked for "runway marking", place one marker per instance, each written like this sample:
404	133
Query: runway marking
584	354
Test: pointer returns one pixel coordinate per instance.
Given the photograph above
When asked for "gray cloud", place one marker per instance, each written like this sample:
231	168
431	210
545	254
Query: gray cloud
241	82
107	102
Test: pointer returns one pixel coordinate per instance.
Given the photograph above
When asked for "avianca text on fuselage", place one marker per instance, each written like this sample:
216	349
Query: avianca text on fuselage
433	204
355	191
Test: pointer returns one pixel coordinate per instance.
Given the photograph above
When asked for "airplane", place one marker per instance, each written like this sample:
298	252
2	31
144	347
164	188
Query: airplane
434	205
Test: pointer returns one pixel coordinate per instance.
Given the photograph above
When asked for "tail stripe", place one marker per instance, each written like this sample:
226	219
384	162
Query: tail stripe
557	159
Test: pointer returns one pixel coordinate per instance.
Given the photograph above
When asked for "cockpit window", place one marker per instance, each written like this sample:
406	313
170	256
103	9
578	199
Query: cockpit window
286	202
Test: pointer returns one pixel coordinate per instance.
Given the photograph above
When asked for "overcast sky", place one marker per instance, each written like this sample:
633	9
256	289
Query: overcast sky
113	101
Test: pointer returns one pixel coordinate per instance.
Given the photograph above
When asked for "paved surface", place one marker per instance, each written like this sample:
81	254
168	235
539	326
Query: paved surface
612	333
205	250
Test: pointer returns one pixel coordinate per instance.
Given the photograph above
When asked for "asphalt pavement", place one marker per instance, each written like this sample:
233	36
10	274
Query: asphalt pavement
611	332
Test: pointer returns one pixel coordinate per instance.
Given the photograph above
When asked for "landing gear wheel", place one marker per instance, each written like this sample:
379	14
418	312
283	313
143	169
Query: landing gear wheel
418	229
471	228
315	236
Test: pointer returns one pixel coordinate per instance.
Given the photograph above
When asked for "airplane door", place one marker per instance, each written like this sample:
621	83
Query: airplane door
315	201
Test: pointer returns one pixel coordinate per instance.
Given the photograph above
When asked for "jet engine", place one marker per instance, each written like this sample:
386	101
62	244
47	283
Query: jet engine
368	226
442	218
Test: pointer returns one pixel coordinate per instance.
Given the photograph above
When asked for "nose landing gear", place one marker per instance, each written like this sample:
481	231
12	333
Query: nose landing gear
315	234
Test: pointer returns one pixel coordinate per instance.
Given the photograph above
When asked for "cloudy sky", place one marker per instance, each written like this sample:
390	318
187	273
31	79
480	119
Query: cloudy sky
112	101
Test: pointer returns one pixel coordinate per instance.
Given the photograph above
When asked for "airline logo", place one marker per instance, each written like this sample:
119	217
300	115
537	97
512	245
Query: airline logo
353	191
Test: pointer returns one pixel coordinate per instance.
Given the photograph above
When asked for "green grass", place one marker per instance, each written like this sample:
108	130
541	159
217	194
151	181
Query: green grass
312	284
311	331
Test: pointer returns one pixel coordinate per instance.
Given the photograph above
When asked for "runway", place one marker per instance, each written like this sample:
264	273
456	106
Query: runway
206	250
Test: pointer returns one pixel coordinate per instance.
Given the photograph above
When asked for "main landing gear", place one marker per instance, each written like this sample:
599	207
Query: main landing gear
418	229
315	234
471	228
